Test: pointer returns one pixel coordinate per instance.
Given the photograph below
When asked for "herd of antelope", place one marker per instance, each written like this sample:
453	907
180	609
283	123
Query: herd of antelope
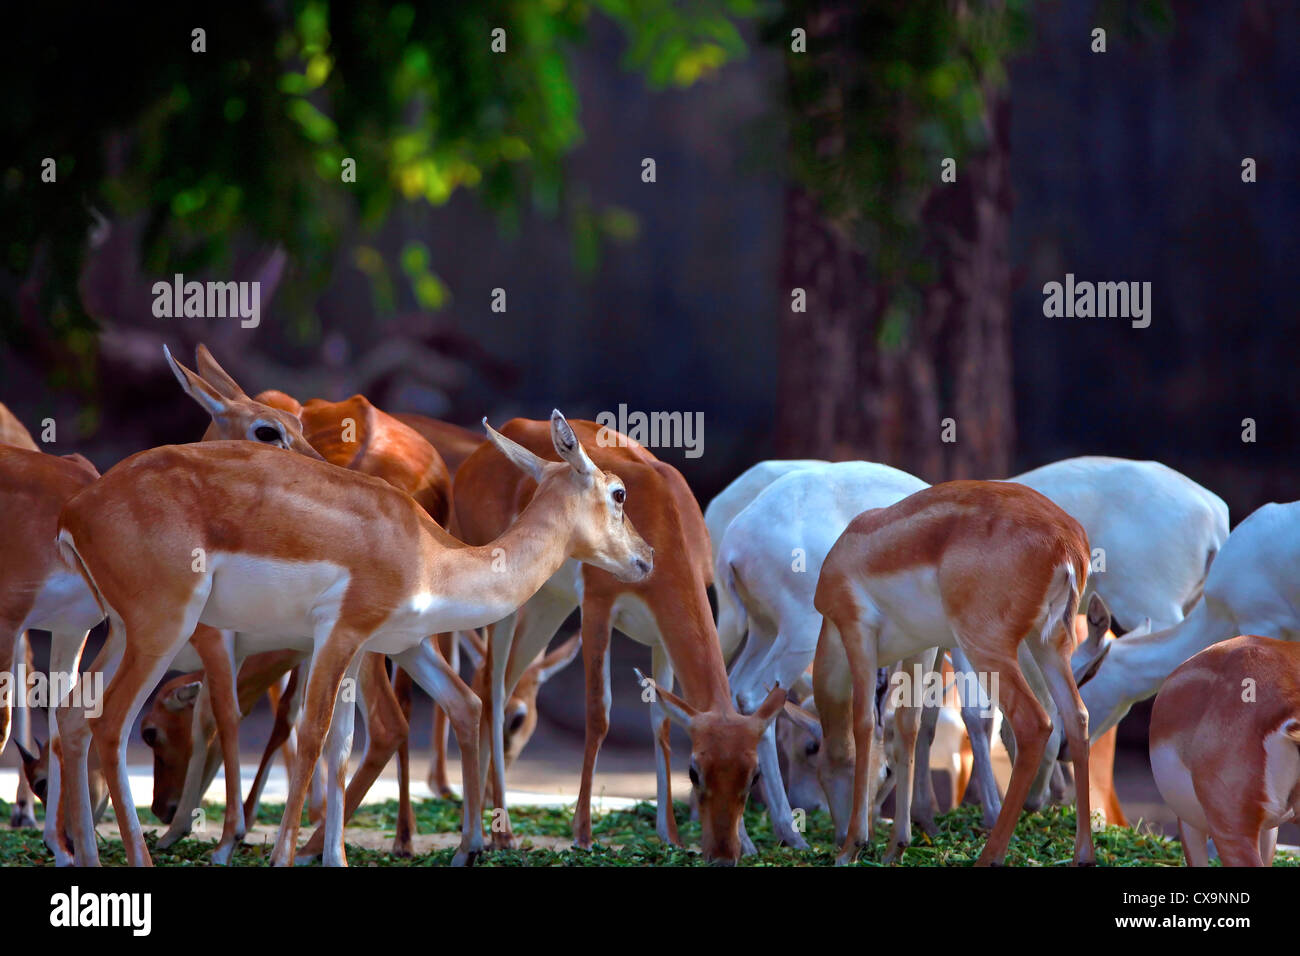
298	545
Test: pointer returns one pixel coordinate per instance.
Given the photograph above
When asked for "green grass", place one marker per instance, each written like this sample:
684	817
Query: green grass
1042	839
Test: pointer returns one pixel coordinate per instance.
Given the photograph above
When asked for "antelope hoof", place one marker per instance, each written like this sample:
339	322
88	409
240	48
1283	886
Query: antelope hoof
927	824
895	853
22	817
504	841
465	857
170	838
222	854
403	849
794	840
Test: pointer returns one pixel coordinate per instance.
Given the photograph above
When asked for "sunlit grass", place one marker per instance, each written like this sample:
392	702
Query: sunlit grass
1042	839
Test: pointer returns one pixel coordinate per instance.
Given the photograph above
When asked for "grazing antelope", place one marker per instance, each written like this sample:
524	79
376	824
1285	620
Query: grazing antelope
768	562
166	727
36	773
1155	532
719	514
1225	748
950	751
1250	590
316	549
669	612
983	566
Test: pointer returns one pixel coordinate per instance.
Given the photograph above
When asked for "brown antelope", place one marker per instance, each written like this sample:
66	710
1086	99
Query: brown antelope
453	442
983	566
668	611
1225	748
316	549
36	772
14	434
355	435
38	591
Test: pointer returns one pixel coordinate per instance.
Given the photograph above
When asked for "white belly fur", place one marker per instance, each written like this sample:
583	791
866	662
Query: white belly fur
912	611
261	595
64	604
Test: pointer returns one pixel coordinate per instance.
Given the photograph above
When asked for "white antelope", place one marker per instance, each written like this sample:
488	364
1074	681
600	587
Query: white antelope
983	566
1153	530
768	562
1225	748
722	510
1251	589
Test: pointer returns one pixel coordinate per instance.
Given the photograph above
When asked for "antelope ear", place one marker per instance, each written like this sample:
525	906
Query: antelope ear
558	659
1086	665
196	388
523	459
567	445
802	719
215	375
1098	618
29	758
181	697
770	707
677	708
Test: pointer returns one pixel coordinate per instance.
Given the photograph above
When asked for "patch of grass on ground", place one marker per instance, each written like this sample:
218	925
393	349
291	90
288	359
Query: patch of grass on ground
1042	839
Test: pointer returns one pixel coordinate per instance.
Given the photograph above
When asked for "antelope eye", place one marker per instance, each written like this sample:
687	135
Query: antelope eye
813	748
516	722
267	434
619	495
695	776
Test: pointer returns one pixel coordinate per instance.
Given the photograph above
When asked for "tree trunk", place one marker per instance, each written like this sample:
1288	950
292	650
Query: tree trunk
845	394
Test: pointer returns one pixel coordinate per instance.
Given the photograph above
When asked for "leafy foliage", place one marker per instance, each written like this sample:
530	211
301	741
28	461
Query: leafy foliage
248	139
884	92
